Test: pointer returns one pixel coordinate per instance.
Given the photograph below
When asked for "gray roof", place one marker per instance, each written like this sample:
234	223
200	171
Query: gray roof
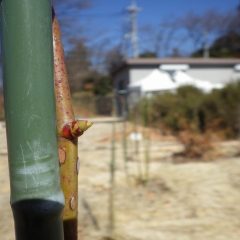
191	61
198	62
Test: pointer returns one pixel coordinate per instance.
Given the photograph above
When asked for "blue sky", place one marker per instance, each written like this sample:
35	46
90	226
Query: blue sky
154	11
106	18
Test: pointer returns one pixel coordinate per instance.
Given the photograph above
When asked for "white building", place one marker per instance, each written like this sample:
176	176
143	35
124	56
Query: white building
217	71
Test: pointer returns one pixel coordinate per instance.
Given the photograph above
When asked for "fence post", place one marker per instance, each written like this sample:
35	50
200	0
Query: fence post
36	198
112	182
125	148
146	124
137	143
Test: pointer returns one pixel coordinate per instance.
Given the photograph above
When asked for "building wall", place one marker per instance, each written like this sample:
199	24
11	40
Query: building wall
214	75
133	73
137	74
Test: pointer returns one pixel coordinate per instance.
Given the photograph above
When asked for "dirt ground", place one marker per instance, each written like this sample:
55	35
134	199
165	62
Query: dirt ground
187	201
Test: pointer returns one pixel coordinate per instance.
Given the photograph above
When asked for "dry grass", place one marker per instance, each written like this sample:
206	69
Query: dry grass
179	202
196	146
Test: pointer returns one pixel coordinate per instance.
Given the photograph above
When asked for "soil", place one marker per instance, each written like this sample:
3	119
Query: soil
176	200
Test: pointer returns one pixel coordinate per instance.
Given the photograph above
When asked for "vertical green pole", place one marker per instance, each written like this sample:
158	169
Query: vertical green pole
125	145
137	142
146	116
36	198
112	182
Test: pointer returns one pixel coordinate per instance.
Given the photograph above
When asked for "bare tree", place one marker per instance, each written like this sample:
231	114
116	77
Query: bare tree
78	65
69	15
113	59
161	39
202	29
199	29
212	32
231	22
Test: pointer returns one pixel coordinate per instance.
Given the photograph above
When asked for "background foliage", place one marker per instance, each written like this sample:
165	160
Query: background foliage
189	109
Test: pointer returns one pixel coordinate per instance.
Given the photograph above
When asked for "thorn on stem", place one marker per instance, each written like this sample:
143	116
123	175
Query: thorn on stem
75	129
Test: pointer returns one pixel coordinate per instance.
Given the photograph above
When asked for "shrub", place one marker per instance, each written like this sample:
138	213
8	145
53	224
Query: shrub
177	111
191	110
195	145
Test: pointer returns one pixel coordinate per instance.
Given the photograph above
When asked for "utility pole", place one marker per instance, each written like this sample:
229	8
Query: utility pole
206	46
133	11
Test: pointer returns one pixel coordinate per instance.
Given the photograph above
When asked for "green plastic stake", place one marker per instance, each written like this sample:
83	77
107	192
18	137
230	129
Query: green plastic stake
36	198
